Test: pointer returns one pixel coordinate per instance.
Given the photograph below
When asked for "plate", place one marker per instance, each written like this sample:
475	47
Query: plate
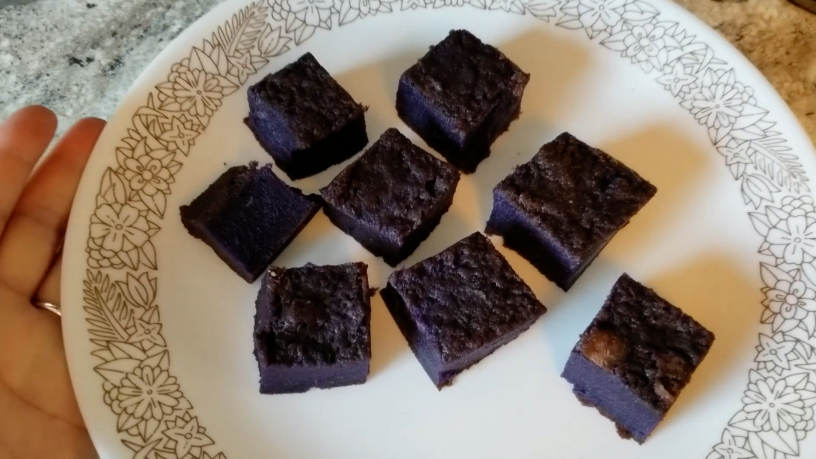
158	330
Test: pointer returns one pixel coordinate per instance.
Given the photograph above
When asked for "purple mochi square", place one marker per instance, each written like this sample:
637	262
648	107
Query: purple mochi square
313	328
392	197
561	208
459	306
304	119
460	97
248	216
635	358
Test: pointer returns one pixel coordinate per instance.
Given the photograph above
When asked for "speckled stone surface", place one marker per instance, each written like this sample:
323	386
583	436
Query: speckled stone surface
79	57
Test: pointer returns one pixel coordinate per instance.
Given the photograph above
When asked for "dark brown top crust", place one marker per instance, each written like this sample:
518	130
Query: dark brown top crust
314	104
466	78
580	195
393	186
652	346
315	315
466	297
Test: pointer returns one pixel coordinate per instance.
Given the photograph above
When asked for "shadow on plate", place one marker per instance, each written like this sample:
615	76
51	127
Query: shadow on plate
718	294
387	343
671	162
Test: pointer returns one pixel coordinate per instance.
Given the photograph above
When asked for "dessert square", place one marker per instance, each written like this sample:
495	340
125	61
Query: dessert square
248	216
305	119
560	209
392	197
460	97
457	307
635	358
313	328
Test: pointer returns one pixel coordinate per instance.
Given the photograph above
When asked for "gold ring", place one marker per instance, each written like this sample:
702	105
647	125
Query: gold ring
51	307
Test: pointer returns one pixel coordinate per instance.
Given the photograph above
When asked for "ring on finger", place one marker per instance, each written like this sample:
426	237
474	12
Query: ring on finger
50	307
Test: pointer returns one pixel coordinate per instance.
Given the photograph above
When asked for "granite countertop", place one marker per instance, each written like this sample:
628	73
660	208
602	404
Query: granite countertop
79	57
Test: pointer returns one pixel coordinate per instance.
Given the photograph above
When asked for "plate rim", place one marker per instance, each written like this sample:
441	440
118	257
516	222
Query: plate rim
268	29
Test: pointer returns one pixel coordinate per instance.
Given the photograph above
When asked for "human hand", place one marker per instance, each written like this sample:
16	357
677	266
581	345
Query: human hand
39	416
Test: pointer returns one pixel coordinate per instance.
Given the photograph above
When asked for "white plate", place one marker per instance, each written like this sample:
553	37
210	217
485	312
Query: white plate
729	238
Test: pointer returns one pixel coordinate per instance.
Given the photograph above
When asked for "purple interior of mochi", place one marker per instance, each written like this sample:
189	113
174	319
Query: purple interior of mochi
284	379
465	150
611	397
446	373
301	162
535	244
426	348
413	106
531	242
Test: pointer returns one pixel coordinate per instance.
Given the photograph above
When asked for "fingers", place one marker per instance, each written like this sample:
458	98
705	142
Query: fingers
49	290
23	139
37	223
32	359
26	432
